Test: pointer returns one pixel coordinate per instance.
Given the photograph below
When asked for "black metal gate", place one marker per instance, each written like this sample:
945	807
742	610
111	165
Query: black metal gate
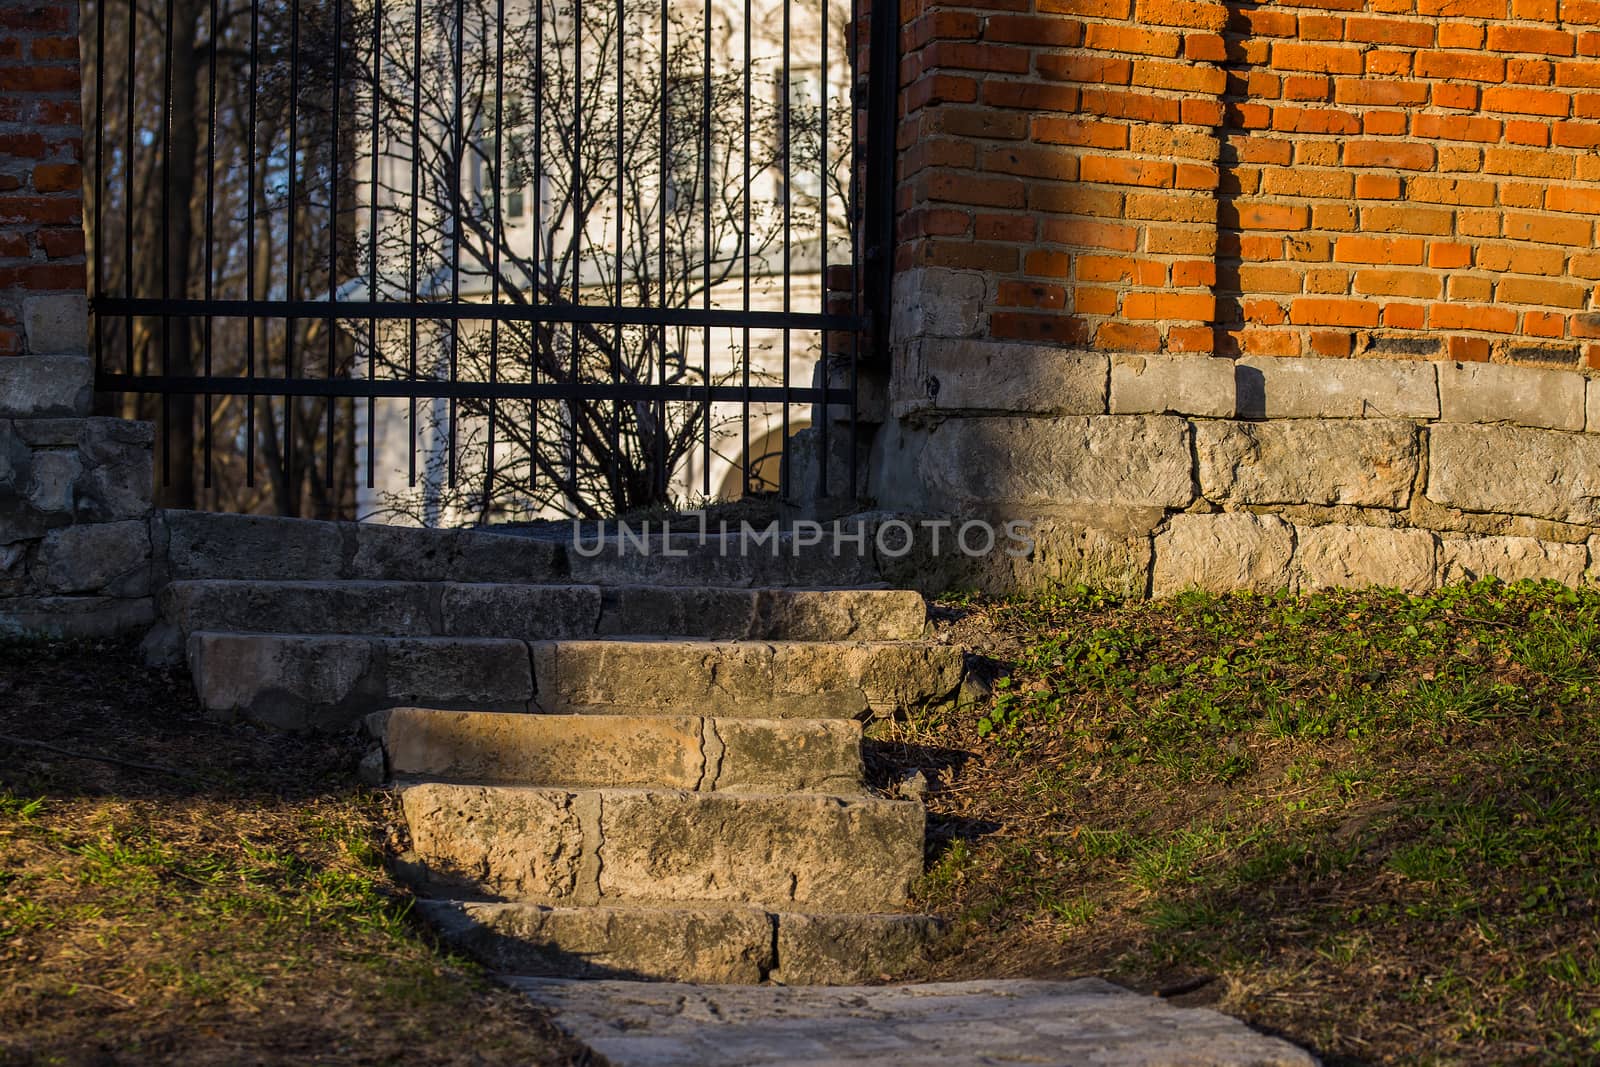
507	258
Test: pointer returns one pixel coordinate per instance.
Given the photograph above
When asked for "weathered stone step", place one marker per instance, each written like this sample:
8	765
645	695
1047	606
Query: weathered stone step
542	612
329	681
762	679
729	945
618	751
582	847
213	545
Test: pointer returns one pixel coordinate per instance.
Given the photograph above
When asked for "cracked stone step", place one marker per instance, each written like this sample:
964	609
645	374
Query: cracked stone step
745	679
541	612
660	751
214	545
330	681
581	847
724	945
327	682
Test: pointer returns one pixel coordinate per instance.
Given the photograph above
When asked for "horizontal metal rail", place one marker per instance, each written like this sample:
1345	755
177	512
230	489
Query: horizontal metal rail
432	388
467	311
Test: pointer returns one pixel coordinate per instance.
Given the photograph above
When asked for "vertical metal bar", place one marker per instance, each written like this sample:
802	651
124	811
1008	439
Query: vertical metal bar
499	230
883	88
744	239
616	333
166	246
576	192
857	226
211	186
99	177
291	292
372	237
129	157
458	142
822	220
786	116
416	184
705	247
663	476
334	178
250	249
534	327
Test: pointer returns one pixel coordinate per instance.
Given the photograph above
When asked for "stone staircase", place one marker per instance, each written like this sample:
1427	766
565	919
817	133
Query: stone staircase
600	777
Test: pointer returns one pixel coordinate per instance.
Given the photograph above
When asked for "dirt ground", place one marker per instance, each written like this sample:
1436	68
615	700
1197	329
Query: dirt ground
208	893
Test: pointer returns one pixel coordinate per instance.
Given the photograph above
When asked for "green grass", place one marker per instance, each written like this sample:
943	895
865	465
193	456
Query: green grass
1375	818
239	913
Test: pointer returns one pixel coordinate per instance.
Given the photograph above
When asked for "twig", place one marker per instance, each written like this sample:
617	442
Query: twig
58	750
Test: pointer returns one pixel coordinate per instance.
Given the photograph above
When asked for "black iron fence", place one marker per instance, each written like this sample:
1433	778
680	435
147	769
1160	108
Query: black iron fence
486	258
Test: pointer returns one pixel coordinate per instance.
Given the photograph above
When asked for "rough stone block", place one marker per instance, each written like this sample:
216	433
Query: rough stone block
526	612
56	324
477	673
1315	388
1591	420
398	609
744	679
838	615
283	681
111	557
1511	559
329	681
1202	386
547	750
783	756
713	945
1222	553
1109	550
1058	462
119	477
995	376
935	302
255	547
45	386
519	844
1354	557
1527	396
52	479
775	851
844	949
1367	462
709	612
1515	471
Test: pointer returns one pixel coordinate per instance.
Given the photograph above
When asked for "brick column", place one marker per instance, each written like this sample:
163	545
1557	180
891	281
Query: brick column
44	369
1058	178
75	538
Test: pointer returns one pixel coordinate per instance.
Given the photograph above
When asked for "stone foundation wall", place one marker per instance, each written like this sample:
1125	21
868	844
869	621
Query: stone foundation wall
75	547
1160	473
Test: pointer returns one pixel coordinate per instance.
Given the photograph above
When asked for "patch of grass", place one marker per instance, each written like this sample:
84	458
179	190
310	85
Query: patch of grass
241	914
1372	819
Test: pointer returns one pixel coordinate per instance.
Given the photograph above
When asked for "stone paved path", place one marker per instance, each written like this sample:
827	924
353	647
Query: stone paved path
1087	1022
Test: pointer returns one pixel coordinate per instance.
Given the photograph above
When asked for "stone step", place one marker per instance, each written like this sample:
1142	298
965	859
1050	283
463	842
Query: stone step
723	945
329	681
620	751
201	545
761	679
541	612
584	847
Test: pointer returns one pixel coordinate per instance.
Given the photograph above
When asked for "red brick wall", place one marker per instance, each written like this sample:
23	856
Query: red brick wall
41	157
1408	177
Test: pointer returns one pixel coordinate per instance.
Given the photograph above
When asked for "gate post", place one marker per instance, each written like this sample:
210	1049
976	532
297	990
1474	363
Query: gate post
75	535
